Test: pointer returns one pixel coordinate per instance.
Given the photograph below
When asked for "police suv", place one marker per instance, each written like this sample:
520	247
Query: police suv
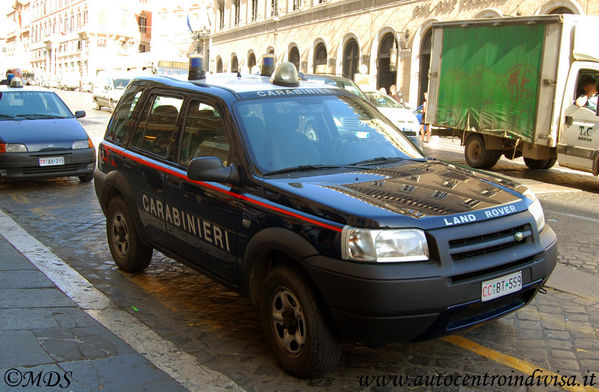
340	231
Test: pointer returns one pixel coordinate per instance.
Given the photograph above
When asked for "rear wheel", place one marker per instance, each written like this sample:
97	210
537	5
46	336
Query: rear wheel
537	164
87	177
97	105
302	340
129	253
477	155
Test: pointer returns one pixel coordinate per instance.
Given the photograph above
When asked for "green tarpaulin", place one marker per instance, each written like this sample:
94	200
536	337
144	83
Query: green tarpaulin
490	79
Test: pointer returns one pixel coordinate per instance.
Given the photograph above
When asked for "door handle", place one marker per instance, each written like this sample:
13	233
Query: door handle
569	120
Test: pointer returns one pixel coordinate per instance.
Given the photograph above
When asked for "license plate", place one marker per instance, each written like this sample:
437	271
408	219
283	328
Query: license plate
501	286
52	161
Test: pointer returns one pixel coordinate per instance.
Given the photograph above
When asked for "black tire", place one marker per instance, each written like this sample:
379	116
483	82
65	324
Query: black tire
87	177
129	253
97	105
539	164
302	316
477	155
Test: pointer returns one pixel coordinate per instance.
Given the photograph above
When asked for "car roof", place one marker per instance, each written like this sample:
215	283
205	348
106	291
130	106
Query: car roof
4	88
244	86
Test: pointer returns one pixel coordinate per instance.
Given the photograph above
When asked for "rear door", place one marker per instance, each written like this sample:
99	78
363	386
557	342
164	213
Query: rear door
205	216
145	167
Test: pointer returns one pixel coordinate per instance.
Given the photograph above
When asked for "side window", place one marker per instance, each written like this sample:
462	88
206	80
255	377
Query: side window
120	122
157	127
586	89
204	134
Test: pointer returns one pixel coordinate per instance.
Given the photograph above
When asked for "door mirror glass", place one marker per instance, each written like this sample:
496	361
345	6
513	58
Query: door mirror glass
211	169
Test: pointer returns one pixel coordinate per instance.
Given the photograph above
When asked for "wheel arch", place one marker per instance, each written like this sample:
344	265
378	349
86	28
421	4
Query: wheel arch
269	248
115	185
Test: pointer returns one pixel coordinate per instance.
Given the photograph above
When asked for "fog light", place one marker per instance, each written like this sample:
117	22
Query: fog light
3	172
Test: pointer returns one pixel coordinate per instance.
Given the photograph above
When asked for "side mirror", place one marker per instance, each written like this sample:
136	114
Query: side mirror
80	114
211	169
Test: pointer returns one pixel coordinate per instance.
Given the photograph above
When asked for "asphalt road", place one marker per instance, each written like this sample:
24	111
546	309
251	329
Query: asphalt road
557	332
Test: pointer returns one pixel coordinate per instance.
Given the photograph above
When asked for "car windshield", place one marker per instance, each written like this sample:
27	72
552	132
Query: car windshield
120	83
382	101
32	105
319	131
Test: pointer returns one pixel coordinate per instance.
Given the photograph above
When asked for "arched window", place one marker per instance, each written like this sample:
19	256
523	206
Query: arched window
425	63
251	61
219	65
351	57
320	59
294	57
385	76
234	64
561	10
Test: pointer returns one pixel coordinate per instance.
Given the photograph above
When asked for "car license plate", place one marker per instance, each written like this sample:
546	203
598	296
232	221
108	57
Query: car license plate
52	161
501	286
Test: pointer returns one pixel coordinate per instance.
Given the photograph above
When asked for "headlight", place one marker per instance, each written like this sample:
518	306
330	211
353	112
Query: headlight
535	209
537	212
82	144
384	246
12	147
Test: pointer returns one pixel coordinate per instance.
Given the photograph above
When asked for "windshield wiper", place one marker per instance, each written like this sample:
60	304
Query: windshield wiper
301	168
7	116
40	116
377	160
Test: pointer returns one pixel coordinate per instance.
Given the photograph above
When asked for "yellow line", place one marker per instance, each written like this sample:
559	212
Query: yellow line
518	364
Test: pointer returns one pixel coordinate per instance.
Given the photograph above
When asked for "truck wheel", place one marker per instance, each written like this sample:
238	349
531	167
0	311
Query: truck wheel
97	105
293	319
539	164
477	155
127	250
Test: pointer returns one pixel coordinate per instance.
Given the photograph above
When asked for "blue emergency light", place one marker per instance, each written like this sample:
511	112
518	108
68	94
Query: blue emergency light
196	68
268	65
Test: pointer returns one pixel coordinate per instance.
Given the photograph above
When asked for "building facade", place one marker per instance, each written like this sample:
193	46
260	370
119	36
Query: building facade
52	38
376	42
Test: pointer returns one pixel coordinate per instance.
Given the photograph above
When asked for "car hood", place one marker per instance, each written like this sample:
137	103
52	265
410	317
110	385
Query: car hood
398	115
40	135
409	194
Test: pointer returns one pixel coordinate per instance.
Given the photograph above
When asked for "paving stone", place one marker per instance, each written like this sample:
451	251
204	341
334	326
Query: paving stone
23	279
23	318
21	348
28	298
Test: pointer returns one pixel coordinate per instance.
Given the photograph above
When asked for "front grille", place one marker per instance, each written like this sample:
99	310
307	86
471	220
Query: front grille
489	243
50	169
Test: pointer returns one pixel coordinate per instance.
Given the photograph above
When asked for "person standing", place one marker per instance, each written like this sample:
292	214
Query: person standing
424	127
393	92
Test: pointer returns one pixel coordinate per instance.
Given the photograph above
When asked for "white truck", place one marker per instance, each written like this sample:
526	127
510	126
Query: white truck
515	86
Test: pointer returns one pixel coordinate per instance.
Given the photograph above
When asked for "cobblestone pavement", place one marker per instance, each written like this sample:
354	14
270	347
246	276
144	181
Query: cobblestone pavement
558	331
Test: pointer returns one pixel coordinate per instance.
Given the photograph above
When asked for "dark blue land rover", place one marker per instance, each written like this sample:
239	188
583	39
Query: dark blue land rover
305	198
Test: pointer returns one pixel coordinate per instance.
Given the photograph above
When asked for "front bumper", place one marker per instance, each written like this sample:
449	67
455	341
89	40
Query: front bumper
378	304
24	165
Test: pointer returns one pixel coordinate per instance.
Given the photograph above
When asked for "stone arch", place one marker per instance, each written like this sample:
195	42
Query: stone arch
341	48
415	65
489	13
553	5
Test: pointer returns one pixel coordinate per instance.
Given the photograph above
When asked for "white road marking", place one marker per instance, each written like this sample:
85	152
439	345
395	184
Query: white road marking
574	216
162	353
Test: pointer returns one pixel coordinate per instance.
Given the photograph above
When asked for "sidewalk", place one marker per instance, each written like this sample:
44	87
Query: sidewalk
48	343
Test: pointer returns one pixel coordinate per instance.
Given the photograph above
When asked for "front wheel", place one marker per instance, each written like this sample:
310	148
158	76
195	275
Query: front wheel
477	155
129	253
97	105
303	342
536	164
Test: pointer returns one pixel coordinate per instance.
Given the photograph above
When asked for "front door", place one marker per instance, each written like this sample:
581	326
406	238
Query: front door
205	216
580	136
